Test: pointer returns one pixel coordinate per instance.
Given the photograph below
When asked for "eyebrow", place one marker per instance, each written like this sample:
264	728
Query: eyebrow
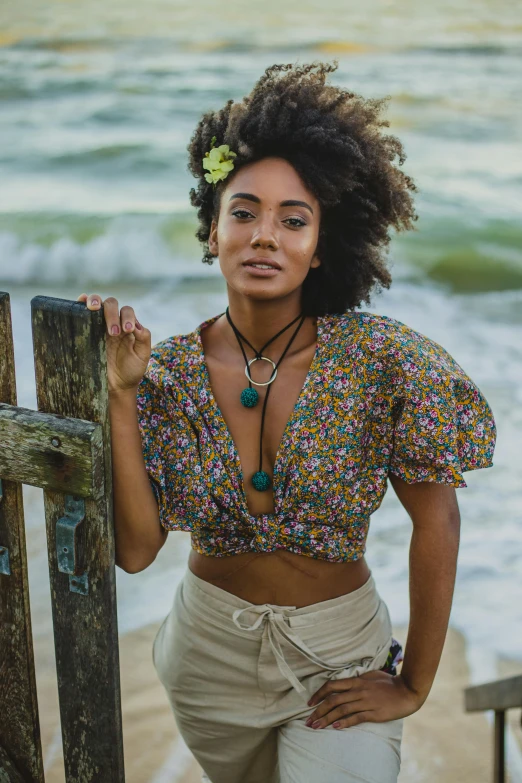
287	203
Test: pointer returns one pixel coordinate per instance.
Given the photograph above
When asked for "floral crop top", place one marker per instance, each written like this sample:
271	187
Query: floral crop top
379	398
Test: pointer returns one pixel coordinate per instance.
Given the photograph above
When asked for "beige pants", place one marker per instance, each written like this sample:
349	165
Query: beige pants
238	677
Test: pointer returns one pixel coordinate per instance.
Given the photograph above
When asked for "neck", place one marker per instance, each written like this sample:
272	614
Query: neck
259	321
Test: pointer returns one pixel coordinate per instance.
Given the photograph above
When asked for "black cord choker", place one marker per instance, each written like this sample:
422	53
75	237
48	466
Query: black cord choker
250	397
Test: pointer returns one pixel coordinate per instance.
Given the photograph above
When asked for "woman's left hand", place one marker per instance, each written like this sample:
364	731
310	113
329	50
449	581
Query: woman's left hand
374	696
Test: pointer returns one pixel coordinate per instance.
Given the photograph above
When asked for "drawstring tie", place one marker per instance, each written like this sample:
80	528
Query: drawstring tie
278	630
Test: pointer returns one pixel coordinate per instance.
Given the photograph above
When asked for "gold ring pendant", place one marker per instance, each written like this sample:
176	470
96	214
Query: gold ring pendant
255	359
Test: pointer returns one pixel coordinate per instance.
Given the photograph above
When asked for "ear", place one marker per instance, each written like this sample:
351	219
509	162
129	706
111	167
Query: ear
316	261
212	239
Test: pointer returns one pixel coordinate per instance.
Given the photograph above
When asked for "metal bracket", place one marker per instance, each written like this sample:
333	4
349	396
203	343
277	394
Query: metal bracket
4	552
4	561
79	584
66	544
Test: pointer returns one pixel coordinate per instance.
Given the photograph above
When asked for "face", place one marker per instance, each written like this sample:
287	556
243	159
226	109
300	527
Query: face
266	213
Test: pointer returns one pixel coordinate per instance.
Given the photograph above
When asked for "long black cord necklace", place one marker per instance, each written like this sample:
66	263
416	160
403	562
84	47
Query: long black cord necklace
250	397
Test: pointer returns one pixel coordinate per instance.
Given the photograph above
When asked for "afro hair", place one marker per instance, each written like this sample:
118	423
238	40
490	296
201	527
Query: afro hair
333	139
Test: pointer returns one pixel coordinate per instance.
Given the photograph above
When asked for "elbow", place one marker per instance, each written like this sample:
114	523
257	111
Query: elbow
131	568
133	565
137	558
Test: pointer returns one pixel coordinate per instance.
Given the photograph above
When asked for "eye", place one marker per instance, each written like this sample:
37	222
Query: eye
300	222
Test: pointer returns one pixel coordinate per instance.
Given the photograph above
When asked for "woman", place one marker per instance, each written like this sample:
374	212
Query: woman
269	432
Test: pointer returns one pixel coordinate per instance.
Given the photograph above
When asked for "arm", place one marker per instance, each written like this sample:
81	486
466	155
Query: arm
138	532
375	695
434	546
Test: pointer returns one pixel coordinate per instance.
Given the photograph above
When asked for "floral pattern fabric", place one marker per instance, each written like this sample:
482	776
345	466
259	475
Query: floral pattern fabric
380	398
395	656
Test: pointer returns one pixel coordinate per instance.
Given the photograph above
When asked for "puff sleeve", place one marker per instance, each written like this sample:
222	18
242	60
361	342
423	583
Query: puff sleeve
444	424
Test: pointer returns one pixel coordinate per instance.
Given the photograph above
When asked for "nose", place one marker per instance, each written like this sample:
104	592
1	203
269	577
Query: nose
265	233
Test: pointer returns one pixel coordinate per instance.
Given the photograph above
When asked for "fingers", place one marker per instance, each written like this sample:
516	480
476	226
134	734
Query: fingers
336	706
117	322
334	686
345	720
93	301
128	319
316	719
352	700
129	322
112	316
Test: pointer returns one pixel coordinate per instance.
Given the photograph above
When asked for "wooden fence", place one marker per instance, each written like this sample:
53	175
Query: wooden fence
64	448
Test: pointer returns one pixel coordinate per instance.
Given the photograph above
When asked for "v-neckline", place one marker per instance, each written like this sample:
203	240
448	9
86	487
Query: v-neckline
224	428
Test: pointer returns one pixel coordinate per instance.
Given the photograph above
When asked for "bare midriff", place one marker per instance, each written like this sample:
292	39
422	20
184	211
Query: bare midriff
281	578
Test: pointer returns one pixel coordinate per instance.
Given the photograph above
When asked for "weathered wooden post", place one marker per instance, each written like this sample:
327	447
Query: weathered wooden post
498	695
71	380
20	747
64	447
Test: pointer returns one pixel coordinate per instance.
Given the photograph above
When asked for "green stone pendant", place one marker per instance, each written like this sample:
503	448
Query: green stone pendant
249	397
261	480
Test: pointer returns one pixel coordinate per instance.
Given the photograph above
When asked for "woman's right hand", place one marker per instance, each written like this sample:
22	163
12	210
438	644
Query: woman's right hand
128	350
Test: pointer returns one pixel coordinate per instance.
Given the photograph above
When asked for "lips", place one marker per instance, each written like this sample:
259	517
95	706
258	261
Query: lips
258	271
266	261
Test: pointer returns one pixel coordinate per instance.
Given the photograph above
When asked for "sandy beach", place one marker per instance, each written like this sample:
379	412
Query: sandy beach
441	742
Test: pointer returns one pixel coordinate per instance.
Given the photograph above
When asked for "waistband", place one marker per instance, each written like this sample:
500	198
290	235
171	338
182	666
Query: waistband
362	609
353	606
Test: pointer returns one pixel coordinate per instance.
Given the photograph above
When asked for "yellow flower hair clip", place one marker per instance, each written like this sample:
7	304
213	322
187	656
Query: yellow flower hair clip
218	162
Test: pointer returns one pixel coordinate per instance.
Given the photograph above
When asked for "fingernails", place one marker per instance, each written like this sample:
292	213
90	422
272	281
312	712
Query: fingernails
128	326
316	724
115	329
94	302
138	325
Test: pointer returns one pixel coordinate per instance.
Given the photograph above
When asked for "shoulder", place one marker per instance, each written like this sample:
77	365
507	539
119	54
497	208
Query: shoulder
385	331
400	346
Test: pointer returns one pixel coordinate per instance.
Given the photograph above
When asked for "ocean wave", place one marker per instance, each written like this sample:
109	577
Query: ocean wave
81	44
468	270
67	44
469	50
463	256
54	248
98	249
114	159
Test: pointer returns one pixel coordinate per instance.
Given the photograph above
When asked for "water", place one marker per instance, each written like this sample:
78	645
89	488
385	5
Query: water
98	102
